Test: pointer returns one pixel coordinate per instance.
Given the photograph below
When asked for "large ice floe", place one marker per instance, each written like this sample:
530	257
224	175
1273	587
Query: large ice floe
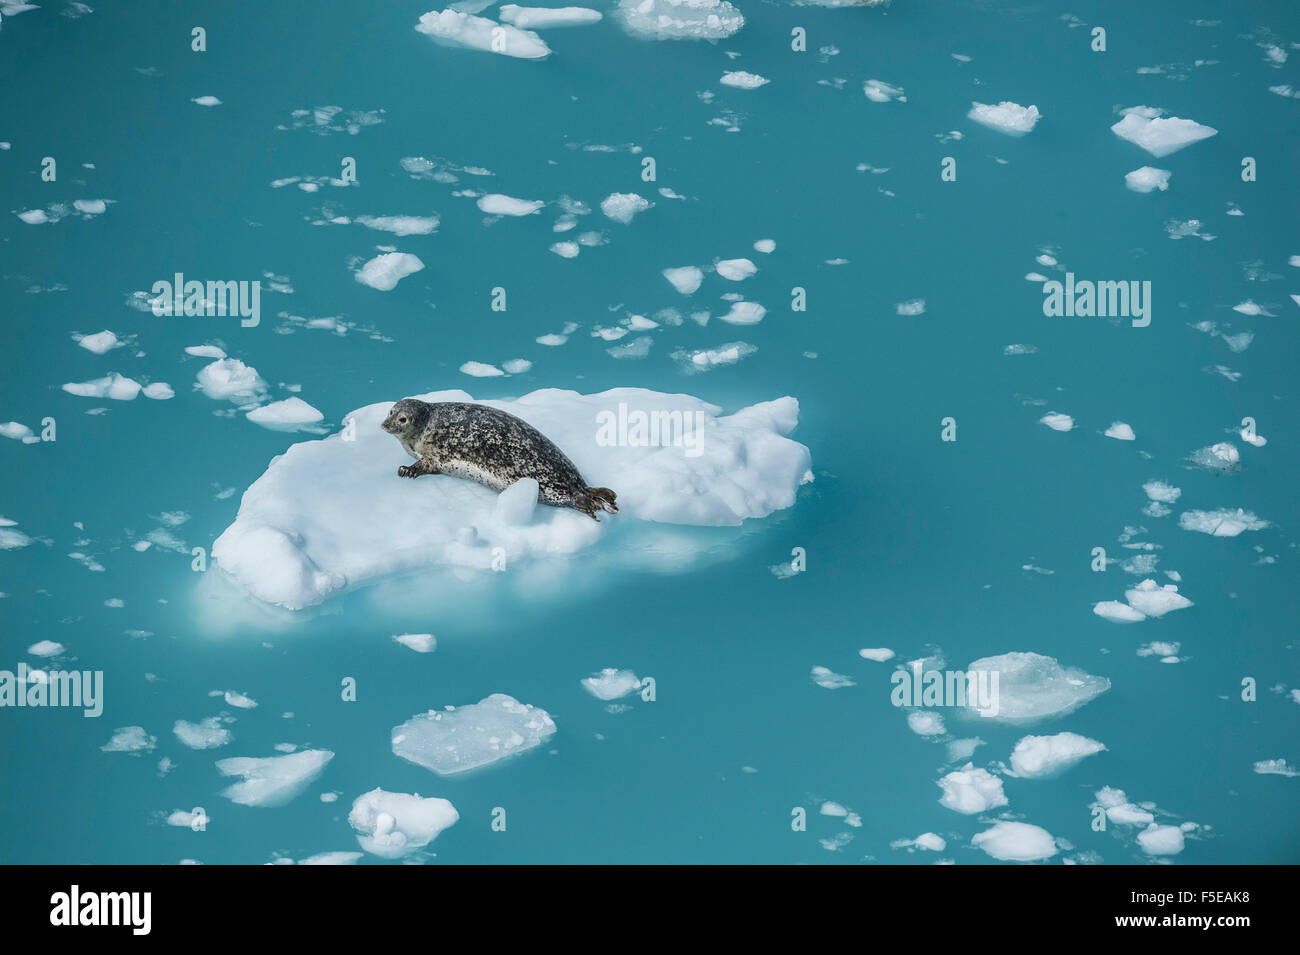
1144	126
329	515
681	19
461	738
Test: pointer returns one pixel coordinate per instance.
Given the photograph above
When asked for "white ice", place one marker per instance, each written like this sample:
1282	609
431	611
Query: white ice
1224	522
538	18
736	270
229	379
496	204
272	780
458	739
622	206
1035	757
1057	421
681	19
1147	179
1033	686
205	734
1144	126
480	33
1006	117
1016	842
419	642
384	271
685	279
291	414
1120	431
393	825
743	80
971	791
611	684
101	342
298	539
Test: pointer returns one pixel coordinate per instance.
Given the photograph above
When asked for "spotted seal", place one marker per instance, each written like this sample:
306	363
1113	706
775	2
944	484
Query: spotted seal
491	447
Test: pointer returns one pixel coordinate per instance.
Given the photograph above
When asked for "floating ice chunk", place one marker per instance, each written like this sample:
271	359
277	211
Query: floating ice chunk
1275	767
393	825
538	18
830	680
1147	179
1120	431
291	414
206	734
516	366
766	246
1033	686
1143	126
272	780
206	101
419	642
229	379
1223	456
565	250
1006	117
16	431
622	206
681	19
1153	600
400	225
1162	492
743	80
736	270
158	391
90	207
516	504
971	791
331	858
1225	522
881	92
478	369
925	723
611	684
744	313
910	308
101	342
709	358
236	699
1057	421
205	351
112	386
298	540
130	739
385	270
685	279
480	33
879	654
1016	842
45	648
1157	840
1035	757
34	216
195	821
496	204
467	737
1118	612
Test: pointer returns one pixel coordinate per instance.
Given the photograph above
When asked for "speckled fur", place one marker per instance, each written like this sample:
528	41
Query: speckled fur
491	447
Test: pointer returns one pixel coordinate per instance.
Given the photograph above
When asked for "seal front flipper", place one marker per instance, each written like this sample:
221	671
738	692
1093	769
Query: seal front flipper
422	466
596	499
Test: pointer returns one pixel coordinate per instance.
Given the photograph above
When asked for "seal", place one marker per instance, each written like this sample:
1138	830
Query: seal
493	448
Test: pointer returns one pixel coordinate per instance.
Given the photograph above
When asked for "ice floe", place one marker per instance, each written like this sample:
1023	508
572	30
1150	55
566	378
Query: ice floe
1057	421
101	342
480	33
419	642
1120	431
393	825
205	734
229	379
497	204
1032	686
1225	522
1146	127
1275	767
681	19
880	92
1035	757
538	18
611	684
1016	842
298	540
384	271
272	780
736	270
971	791
685	279
1147	179
113	386
623	206
291	414
1006	117
828	679
130	739
461	738
743	80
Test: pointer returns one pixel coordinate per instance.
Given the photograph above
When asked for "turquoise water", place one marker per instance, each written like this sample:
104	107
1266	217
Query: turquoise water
913	543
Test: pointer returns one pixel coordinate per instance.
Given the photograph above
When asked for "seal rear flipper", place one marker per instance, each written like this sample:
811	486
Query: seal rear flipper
603	498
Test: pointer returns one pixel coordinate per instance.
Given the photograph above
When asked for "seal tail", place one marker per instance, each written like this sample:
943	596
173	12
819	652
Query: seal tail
602	498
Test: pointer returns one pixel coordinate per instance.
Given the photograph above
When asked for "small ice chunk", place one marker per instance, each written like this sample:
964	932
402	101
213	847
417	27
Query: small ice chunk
478	369
480	33
736	270
925	723
1223	456
1144	126
879	654
611	684
385	270
566	250
496	204
101	342
419	642
766	246
1016	842
1225	522
400	225
1153	600
744	313
1275	767
1160	491
1147	179
830	680
681	19
879	91
911	307
467	737
158	391
1006	117
205	351
622	206
1120	431
971	791
272	780
206	734
1118	612
1033	686
291	414
229	379
537	18
1157	840
685	279
112	386
1057	421
45	648
743	80
393	825
130	739
1035	757
206	101
517	366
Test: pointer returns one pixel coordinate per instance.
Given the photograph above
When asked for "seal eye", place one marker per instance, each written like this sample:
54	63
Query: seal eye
402	420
